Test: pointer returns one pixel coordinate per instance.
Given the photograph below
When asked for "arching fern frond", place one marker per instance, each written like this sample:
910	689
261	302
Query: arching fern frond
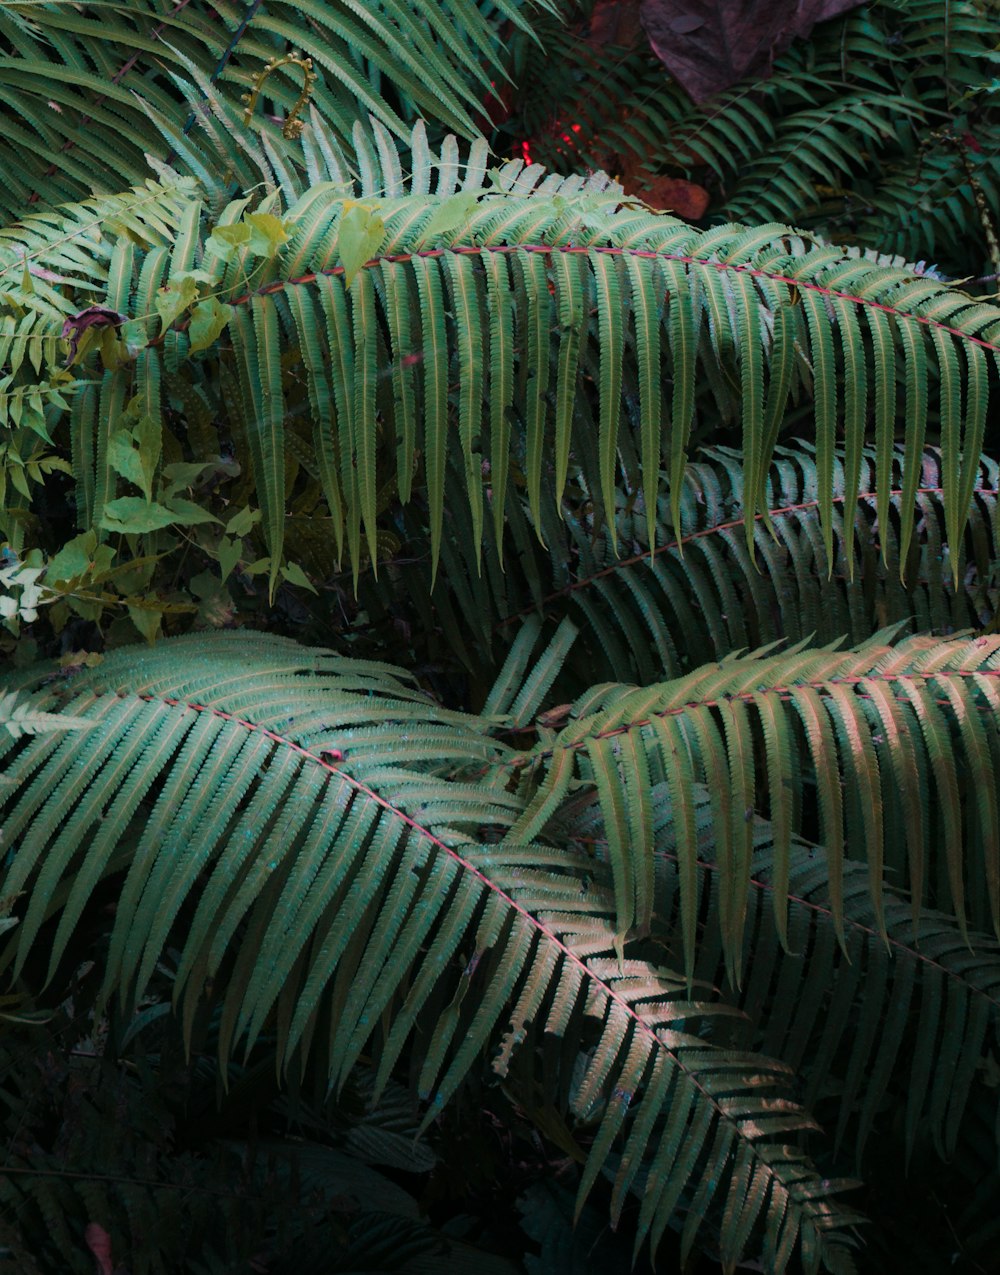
886	751
910	1012
728	300
656	611
311	823
558	321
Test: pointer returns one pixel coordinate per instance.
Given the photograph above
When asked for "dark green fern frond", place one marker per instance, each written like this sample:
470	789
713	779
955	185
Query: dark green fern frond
661	610
880	130
656	612
883	754
910	1013
306	832
977	1176
86	95
91	1146
123	1139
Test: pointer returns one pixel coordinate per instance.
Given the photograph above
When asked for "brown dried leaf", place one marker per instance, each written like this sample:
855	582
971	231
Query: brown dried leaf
684	199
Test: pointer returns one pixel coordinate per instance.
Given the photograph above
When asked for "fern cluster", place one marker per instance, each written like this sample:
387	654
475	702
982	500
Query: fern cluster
118	1148
690	855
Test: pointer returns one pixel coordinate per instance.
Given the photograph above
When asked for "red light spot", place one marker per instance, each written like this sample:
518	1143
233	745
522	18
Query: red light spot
526	152
576	127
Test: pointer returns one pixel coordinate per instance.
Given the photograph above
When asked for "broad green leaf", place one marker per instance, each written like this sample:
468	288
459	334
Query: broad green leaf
182	475
174	299
208	318
294	574
257	567
187	513
359	238
125	460
74	558
230	552
147	621
149	441
450	214
132	515
267	233
226	241
242	522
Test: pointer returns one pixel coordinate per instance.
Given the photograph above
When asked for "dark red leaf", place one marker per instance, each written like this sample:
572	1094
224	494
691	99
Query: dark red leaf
95	316
708	45
615	22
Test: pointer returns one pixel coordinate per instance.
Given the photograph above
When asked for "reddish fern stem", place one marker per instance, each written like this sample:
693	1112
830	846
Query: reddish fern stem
786	693
767	887
278	285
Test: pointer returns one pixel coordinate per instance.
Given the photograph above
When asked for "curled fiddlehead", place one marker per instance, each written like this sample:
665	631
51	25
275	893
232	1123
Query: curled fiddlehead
292	126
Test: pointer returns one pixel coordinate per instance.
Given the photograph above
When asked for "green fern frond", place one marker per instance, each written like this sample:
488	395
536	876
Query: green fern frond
520	236
661	609
626	274
100	1142
74	245
88	95
880	1015
316	823
653	611
892	745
